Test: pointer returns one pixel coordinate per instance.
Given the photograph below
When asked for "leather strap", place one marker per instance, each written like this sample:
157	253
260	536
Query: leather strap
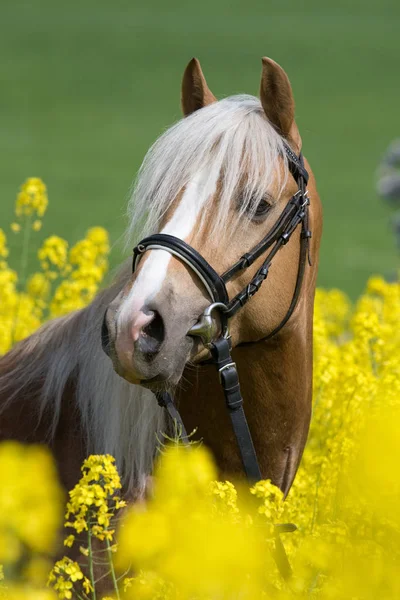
289	224
304	253
229	379
296	164
179	248
164	400
288	213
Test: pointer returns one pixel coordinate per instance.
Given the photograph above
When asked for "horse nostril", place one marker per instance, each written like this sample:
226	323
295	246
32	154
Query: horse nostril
152	335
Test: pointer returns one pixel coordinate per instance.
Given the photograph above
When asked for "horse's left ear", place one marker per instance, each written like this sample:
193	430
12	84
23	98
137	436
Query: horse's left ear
195	91
277	100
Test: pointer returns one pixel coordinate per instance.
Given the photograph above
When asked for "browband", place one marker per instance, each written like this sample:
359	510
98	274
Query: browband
296	164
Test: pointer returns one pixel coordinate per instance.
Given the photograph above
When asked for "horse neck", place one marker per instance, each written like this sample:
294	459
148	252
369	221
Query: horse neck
276	384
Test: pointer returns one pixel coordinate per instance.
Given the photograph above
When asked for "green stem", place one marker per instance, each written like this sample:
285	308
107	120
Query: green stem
110	558
23	263
25	250
91	572
79	596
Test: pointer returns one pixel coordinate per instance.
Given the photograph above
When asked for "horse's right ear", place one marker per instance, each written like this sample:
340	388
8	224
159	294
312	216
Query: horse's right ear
195	91
277	100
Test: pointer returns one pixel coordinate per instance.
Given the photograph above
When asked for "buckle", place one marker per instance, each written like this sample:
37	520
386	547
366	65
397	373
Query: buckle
227	366
306	198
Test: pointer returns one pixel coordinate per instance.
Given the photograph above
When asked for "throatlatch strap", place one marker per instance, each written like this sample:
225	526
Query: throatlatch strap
229	379
164	400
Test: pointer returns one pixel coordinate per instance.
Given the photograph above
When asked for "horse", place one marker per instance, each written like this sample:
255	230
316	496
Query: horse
218	179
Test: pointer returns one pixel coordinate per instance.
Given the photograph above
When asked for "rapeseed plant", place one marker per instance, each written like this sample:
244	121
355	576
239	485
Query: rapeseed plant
30	515
68	279
196	537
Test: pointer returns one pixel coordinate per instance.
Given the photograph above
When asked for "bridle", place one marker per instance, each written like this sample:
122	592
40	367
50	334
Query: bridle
295	213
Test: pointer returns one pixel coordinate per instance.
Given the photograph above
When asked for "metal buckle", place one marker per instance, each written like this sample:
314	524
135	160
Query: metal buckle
231	364
206	327
306	199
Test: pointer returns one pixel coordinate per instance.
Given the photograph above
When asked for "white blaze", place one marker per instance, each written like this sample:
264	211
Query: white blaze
154	270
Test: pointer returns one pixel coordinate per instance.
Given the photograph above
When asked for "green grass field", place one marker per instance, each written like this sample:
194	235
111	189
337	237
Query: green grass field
87	86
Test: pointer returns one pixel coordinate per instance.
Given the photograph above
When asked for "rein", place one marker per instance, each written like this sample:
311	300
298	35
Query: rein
295	213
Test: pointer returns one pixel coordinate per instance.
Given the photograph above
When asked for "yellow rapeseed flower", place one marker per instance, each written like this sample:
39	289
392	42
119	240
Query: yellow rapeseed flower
69	541
38	286
198	537
217	554
32	198
53	253
30	503
99	237
95	499
69	279
3	244
67	579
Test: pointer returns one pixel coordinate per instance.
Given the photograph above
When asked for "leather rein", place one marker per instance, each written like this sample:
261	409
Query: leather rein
295	213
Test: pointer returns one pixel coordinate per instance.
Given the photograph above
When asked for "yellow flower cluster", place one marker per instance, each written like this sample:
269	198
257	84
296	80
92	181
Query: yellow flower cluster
225	497
32	198
64	575
18	314
198	538
53	253
25	592
86	267
3	249
193	549
31	503
344	500
93	504
95	499
348	547
68	280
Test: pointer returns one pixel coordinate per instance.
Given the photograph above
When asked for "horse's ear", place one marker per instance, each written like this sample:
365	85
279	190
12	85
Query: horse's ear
195	91
277	100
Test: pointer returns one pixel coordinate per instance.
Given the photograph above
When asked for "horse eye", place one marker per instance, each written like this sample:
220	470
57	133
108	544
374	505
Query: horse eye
261	210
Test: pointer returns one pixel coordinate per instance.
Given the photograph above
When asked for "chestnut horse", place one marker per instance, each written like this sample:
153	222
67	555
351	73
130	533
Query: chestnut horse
218	179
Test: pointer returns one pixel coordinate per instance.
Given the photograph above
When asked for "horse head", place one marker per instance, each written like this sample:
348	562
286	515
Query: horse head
219	180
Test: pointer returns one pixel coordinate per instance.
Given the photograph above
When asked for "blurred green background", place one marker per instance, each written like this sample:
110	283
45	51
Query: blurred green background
87	86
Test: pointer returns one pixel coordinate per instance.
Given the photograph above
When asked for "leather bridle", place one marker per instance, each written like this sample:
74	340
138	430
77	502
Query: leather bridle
295	213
